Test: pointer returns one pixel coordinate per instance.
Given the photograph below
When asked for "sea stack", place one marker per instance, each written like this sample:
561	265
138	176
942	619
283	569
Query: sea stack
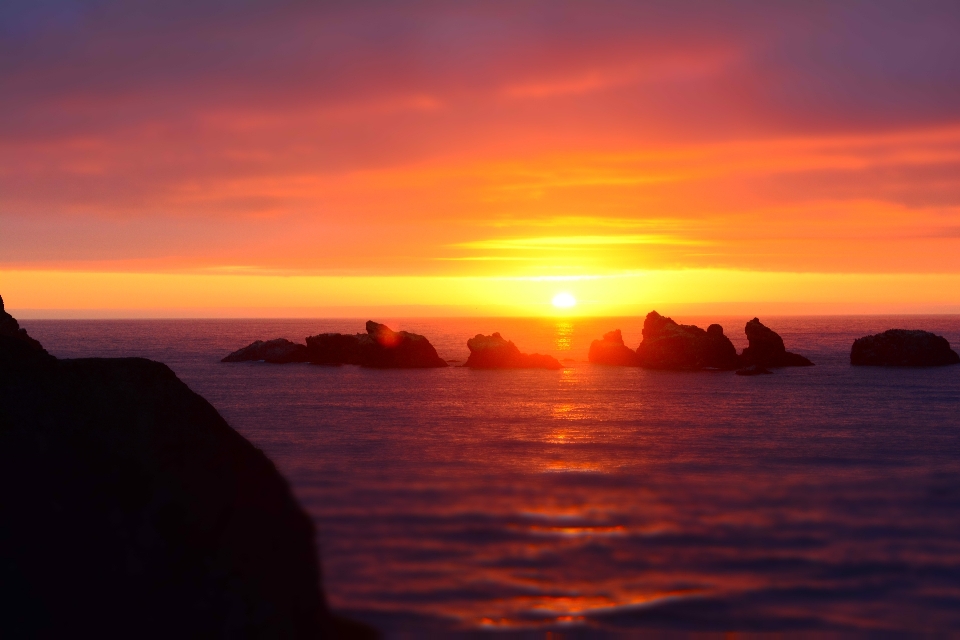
132	509
668	345
612	351
279	351
380	348
903	348
766	349
494	352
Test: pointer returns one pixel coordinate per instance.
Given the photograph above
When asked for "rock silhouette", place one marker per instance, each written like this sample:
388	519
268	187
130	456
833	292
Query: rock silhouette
15	339
494	352
612	351
132	509
753	370
380	347
668	345
766	349
279	351
903	348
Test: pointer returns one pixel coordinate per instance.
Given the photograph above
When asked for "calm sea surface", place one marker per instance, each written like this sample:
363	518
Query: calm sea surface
595	501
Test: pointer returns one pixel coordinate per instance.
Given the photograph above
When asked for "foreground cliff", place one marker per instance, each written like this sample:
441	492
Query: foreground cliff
131	509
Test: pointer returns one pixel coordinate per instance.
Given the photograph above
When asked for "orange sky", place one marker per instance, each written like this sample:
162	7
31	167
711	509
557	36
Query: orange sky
289	159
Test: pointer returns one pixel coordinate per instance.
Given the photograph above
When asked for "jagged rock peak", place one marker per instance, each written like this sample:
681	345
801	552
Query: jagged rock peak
611	350
669	345
766	348
16	336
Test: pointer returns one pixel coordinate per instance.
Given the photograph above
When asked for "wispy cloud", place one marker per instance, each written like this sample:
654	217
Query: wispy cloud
555	242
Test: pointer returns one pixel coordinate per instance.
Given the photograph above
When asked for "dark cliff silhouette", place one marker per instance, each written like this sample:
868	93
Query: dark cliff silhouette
131	509
495	352
903	348
380	348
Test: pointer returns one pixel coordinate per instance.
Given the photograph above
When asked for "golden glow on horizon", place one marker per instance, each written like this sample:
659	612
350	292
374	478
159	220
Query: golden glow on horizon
86	294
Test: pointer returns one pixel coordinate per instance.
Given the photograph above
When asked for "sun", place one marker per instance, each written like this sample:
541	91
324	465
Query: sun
564	300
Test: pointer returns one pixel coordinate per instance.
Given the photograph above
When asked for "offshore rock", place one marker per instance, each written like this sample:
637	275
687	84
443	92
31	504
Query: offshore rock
333	348
668	345
279	351
753	370
766	348
612	351
903	348
132	509
494	352
380	347
384	348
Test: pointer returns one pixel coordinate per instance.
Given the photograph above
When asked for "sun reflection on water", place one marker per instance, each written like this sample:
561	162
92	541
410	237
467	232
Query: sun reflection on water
564	335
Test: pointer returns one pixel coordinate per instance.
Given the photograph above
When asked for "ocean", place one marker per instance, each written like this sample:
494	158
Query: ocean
597	501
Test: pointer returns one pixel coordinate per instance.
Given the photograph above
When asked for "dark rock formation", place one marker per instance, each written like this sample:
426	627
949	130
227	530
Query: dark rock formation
611	350
753	370
386	349
493	352
380	347
334	348
279	351
766	348
903	348
131	509
13	339
668	345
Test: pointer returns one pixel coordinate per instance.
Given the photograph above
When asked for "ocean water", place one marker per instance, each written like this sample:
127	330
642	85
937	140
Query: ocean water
598	501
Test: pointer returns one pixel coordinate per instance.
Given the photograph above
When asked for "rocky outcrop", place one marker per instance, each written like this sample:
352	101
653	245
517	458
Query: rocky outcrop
279	351
380	347
668	345
386	349
766	349
612	351
131	509
18	351
494	352
753	370
903	348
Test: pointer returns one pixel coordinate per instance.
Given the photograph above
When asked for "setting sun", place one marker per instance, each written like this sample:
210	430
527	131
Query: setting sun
564	300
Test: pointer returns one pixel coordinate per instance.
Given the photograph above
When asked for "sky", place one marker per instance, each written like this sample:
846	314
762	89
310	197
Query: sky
302	158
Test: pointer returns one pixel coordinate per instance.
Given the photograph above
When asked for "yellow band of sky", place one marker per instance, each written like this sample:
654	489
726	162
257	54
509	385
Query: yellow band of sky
36	294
